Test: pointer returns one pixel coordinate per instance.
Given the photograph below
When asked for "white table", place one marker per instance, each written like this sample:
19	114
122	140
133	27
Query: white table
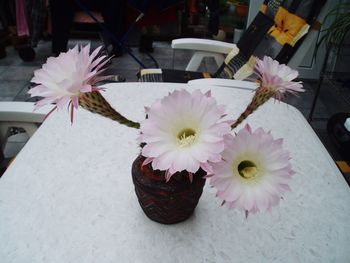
69	197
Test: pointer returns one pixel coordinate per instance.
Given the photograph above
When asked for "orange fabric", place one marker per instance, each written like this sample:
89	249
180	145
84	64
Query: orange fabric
263	8
287	26
343	166
206	75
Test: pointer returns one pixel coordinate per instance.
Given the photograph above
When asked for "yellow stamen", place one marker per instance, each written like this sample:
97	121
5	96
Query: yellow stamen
186	137
247	169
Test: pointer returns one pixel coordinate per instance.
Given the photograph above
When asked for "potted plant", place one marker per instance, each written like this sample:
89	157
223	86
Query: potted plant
184	138
336	32
333	37
242	8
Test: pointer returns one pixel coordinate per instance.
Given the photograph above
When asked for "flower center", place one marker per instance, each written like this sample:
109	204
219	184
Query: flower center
186	137
247	169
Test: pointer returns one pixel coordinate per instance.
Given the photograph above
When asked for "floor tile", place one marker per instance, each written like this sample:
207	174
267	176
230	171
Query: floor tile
162	63
124	63
18	73
12	58
2	69
10	88
22	95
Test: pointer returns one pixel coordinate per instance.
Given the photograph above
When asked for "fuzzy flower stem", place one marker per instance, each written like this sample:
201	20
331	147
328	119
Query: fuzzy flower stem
261	95
96	103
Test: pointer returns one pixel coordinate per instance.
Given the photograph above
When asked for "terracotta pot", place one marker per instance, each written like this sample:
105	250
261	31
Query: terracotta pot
241	10
166	202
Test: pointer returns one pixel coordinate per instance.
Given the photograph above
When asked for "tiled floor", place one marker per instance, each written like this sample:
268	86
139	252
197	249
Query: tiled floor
16	74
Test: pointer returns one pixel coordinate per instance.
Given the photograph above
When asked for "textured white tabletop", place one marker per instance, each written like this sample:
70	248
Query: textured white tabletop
69	197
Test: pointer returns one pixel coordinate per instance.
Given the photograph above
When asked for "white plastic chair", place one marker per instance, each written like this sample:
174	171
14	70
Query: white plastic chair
22	115
218	50
203	48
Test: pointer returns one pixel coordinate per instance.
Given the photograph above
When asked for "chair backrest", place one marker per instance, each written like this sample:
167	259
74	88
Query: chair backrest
278	31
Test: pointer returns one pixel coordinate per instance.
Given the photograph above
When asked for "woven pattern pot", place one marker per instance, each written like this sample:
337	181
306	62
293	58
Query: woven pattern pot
166	202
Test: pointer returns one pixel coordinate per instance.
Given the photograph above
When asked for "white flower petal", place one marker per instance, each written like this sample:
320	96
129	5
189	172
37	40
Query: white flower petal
185	127
258	189
277	77
61	79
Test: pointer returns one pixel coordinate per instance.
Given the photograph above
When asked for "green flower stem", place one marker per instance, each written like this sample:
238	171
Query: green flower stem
96	103
261	95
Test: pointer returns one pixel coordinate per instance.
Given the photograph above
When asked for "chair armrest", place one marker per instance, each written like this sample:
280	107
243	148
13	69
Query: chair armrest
206	45
15	111
20	114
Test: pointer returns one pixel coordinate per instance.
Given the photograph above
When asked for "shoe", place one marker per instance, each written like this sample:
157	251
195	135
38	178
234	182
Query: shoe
26	53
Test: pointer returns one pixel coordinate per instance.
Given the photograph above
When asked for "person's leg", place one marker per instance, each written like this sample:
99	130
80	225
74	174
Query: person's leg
114	13
62	12
214	17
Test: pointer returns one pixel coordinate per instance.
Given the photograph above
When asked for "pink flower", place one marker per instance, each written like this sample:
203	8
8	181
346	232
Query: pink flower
254	173
277	77
63	79
183	131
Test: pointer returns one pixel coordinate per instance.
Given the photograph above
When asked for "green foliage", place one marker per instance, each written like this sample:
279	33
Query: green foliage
335	34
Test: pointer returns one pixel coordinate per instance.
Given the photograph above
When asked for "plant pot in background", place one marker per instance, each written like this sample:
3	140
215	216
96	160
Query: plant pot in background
166	202
241	10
